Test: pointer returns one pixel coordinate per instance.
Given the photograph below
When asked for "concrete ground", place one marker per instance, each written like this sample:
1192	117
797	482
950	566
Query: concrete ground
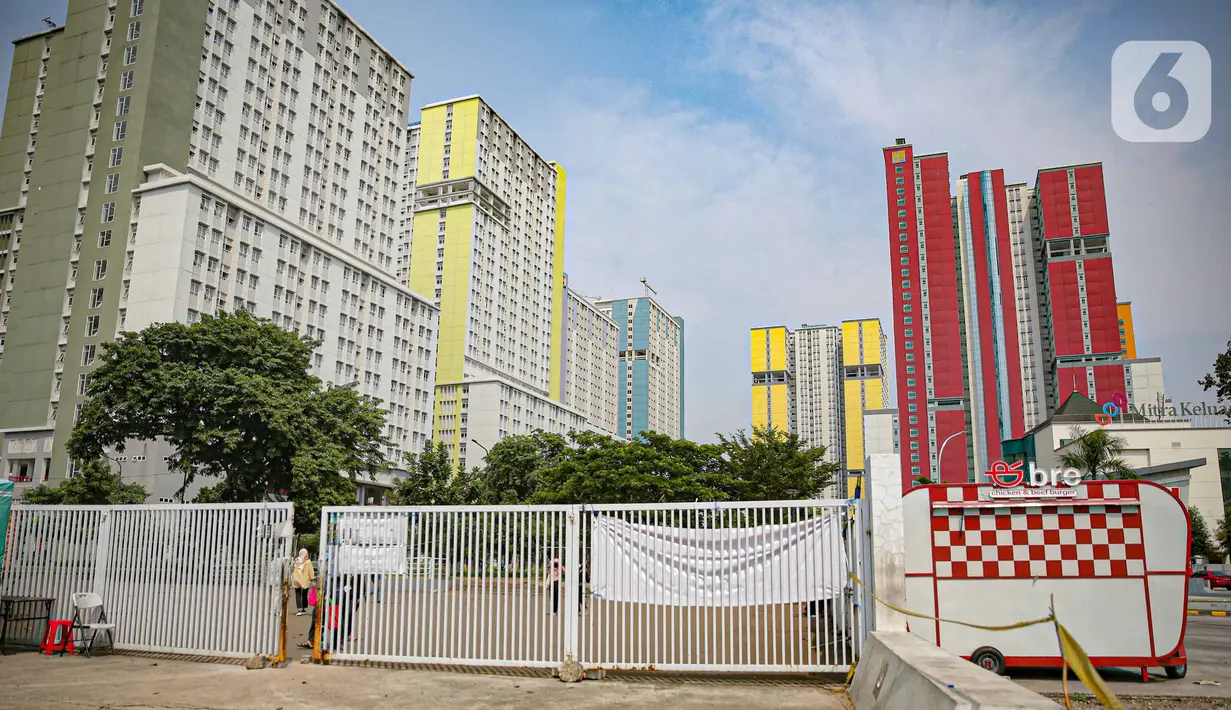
1208	643
33	682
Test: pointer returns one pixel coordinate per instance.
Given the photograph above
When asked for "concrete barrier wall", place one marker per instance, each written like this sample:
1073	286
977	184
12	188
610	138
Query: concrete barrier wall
901	670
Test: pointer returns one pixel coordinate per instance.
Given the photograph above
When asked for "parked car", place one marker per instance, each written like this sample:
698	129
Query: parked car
1216	579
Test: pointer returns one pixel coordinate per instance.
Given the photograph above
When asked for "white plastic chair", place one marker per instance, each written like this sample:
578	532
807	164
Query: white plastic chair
85	618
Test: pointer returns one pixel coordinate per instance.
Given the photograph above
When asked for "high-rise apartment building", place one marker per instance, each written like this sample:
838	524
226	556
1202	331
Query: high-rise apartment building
927	328
406	202
1128	339
487	243
591	363
167	160
1005	302
650	367
865	385
1082	327
818	369
817	382
989	308
773	378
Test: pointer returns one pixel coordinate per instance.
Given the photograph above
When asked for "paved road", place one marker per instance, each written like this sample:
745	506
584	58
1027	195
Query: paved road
33	682
1208	643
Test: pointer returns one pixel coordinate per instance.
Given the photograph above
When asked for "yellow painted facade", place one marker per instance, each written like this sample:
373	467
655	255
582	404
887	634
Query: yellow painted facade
760	407
770	352
431	146
557	289
1128	340
850	343
871	346
465	138
852	394
777	349
759	360
778	407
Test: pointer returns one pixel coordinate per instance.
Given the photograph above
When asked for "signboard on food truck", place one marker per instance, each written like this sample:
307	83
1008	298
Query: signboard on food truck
1012	482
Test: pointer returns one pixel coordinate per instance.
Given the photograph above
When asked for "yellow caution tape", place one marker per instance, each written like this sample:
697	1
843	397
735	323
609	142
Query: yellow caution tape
1080	663
1070	650
917	615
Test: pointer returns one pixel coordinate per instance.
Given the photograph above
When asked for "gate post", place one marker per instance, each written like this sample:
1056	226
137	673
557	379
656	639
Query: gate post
102	553
572	566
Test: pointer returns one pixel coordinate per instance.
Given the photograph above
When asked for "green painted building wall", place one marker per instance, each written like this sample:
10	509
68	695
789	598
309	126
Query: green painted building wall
159	124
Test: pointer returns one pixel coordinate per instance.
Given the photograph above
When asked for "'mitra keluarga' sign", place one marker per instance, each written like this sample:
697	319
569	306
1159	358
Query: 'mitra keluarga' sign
1009	481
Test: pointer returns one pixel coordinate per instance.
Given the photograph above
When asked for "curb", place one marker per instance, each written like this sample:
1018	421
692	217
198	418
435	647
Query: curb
1206	612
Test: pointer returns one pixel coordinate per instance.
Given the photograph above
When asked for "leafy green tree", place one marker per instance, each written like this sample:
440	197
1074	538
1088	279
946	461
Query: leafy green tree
1220	379
94	484
431	480
924	481
774	465
654	468
1097	454
232	394
1202	542
1222	534
511	469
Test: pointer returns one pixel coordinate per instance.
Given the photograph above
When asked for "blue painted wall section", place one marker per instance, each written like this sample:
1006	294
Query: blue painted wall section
619	314
641	368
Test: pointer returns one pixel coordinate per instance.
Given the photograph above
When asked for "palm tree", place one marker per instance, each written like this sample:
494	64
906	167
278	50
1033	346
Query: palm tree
1097	455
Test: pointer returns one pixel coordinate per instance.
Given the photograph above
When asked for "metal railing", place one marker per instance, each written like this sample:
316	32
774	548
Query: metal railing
190	579
729	586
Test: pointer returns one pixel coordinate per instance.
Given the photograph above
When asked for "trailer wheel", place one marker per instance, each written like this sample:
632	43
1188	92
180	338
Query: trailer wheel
989	659
1177	672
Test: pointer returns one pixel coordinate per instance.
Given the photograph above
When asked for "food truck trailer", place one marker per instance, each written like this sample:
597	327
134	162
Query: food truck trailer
1113	555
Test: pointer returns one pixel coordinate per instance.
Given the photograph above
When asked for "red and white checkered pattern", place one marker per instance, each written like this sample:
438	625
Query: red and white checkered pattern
1086	539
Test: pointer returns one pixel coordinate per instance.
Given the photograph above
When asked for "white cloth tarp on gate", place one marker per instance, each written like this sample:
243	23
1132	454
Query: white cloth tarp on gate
769	564
372	544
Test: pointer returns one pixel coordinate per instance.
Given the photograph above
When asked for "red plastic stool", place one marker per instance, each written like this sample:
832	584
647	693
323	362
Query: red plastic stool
54	641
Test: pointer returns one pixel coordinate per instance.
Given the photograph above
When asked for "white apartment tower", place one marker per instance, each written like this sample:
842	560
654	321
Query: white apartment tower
591	363
818	387
257	168
650	368
488	247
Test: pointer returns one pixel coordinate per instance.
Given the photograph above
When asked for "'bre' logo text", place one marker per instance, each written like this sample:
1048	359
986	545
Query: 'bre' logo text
1011	481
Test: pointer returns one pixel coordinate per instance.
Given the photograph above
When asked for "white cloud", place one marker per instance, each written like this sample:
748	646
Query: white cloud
1003	86
743	222
733	229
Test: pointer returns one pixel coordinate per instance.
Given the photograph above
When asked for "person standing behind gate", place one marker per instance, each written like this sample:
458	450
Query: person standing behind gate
554	573
301	579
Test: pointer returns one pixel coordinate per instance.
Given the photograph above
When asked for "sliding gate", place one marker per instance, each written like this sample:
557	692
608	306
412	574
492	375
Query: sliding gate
727	586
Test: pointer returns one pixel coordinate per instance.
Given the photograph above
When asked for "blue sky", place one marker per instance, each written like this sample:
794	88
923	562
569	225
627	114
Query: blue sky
730	151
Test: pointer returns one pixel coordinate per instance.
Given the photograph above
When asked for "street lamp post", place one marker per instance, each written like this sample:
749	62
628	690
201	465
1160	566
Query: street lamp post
485	451
940	458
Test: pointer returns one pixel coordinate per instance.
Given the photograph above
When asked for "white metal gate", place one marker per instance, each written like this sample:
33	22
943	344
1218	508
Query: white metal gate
727	586
191	579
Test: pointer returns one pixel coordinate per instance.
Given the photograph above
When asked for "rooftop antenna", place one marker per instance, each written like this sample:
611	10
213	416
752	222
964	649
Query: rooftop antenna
50	22
648	289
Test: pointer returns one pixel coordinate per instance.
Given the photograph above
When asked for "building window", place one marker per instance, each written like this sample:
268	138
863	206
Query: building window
96	298
87	355
138	7
914	458
83	383
901	225
899	180
134	31
113	183
119	131
117	157
100	269
130	54
104	238
906	284
108	212
914	446
122	105
91	326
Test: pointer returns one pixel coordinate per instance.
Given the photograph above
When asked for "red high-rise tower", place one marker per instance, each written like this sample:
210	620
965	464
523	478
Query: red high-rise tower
927	337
